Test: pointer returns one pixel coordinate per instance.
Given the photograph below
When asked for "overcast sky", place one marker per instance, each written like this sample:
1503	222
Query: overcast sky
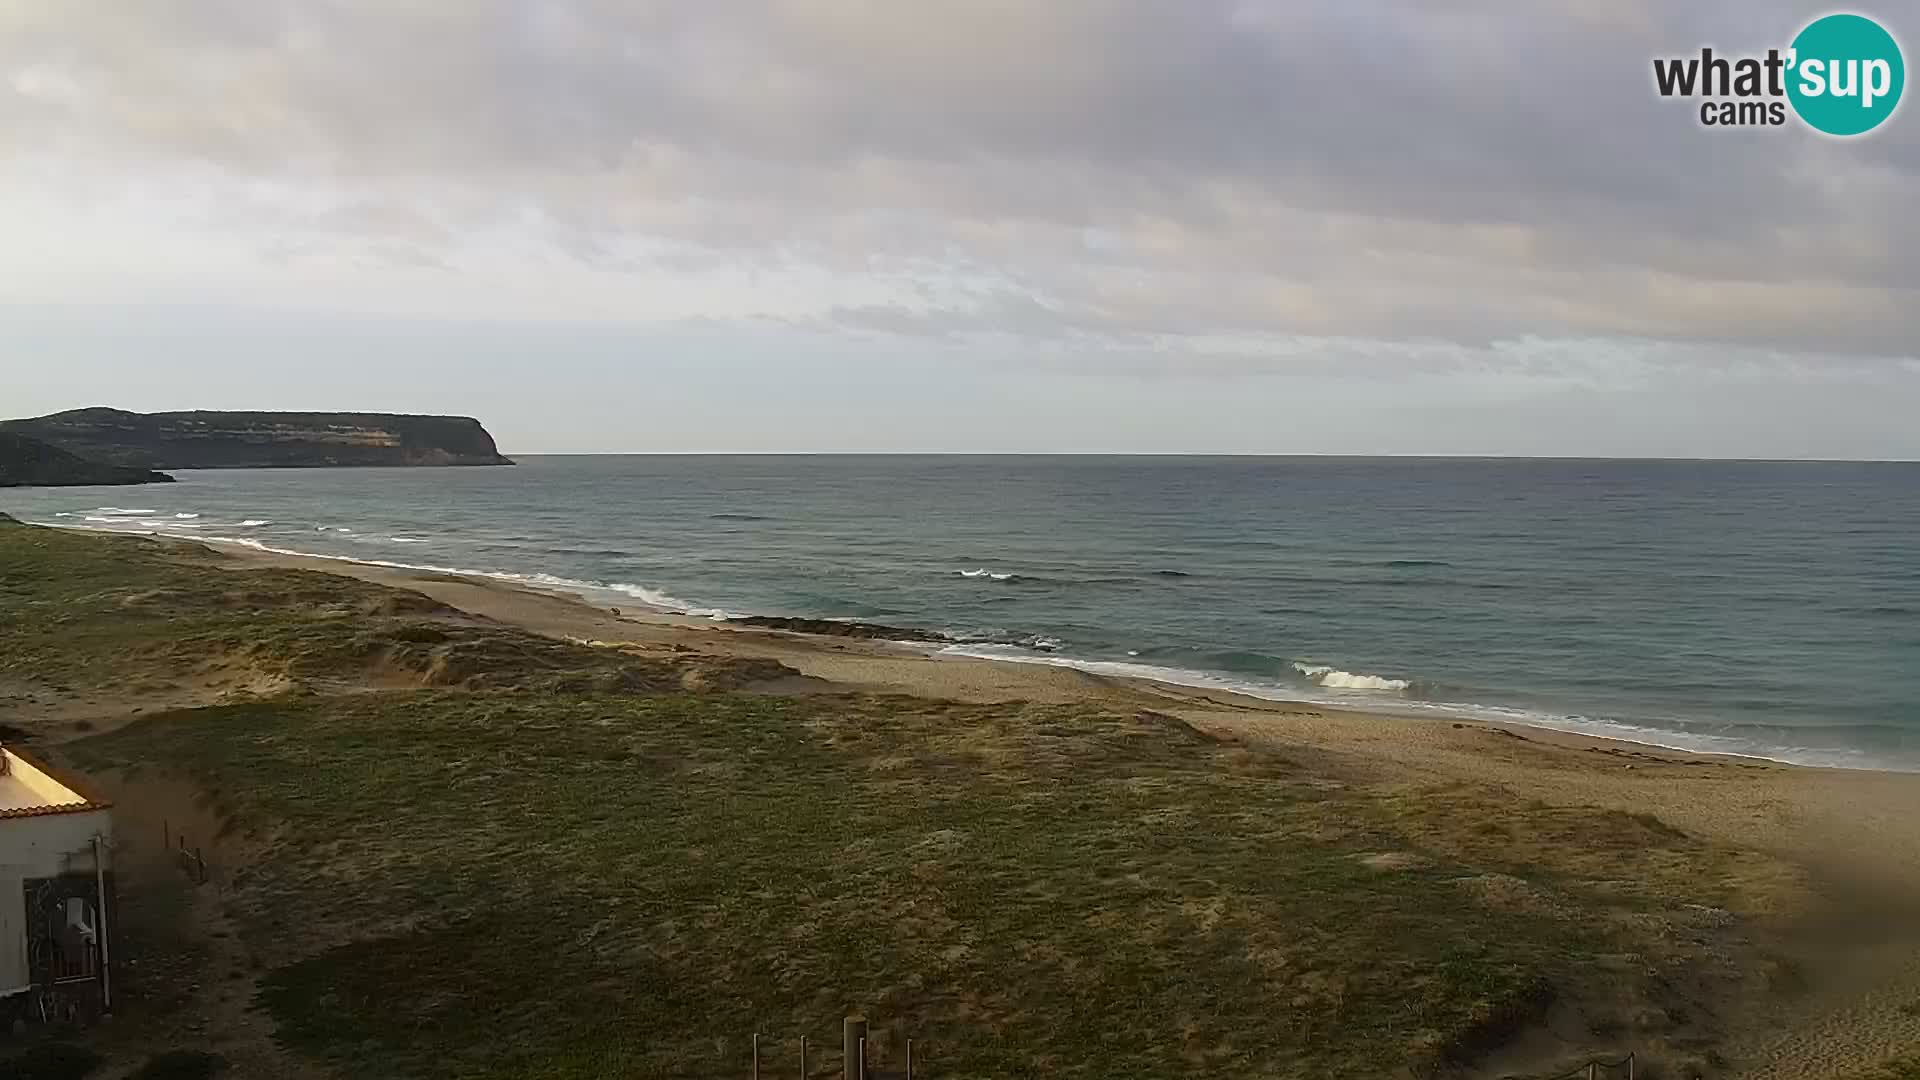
1350	226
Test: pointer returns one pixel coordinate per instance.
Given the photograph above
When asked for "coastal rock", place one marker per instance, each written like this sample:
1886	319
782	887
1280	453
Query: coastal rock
838	628
235	440
26	462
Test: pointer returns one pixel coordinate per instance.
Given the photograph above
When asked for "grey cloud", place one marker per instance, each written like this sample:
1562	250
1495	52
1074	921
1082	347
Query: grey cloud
1473	170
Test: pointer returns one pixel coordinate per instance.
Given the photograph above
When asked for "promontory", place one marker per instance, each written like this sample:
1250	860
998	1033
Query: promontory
28	462
239	440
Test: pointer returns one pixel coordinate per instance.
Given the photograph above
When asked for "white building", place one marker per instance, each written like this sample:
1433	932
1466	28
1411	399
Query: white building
55	868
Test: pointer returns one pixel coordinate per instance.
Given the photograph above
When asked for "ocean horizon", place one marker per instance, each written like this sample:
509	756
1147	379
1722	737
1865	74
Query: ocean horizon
1762	608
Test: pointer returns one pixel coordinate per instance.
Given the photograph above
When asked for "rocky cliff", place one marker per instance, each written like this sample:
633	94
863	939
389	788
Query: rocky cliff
28	462
237	440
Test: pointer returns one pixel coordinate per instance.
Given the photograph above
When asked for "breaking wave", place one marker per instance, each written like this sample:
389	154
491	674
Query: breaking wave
1334	679
662	601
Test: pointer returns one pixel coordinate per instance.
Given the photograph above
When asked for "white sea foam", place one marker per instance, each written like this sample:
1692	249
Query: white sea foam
254	522
654	598
118	510
185	517
406	540
1334	679
991	575
668	602
1620	731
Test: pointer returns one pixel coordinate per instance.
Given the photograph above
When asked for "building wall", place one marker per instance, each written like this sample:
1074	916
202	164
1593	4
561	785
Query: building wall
42	846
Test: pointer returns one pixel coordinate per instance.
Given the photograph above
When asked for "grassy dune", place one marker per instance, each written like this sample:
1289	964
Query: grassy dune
463	851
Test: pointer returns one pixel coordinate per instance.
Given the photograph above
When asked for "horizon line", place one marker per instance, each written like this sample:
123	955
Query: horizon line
1415	456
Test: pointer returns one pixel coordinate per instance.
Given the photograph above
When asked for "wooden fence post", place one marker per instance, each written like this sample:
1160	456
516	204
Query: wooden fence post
853	1048
803	1057
756	1056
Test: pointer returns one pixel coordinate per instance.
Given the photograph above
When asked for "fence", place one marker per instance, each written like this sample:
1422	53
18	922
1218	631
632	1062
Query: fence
854	1055
1596	1069
190	861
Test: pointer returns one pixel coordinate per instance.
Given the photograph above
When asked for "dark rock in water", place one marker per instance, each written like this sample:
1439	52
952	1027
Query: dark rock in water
28	462
839	628
235	440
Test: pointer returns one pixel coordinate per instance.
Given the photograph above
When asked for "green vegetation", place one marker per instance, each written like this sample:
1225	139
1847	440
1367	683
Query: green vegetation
50	1061
92	612
533	865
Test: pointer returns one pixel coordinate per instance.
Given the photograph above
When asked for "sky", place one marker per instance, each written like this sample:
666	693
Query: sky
1217	226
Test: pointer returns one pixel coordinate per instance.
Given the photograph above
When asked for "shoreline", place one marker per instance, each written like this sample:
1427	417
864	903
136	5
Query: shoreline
660	607
1035	672
1848	855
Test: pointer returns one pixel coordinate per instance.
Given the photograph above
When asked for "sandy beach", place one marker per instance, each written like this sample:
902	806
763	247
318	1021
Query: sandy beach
1852	832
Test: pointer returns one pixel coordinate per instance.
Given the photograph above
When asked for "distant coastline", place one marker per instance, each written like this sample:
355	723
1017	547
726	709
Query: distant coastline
26	462
243	440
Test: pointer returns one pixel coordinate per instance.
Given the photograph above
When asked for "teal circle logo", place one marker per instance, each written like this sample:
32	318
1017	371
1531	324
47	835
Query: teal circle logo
1845	74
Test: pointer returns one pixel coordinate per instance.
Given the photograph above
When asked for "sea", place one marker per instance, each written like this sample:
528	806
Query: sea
1766	609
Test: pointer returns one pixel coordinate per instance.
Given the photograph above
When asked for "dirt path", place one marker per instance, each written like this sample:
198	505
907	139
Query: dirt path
191	981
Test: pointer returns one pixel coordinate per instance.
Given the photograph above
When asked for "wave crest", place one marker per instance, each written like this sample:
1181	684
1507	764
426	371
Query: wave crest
1334	679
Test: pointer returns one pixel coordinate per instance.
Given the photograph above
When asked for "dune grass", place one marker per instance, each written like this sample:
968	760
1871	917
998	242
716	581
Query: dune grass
546	887
97	612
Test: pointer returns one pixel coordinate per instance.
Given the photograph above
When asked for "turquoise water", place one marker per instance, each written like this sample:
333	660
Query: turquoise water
1770	609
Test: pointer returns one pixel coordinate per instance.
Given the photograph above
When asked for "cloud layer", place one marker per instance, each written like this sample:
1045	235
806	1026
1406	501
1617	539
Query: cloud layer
1159	174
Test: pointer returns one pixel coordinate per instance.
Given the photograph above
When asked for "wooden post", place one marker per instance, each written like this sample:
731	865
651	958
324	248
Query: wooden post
1630	1068
756	1056
803	1057
105	935
909	1059
1593	1070
853	1048
202	861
